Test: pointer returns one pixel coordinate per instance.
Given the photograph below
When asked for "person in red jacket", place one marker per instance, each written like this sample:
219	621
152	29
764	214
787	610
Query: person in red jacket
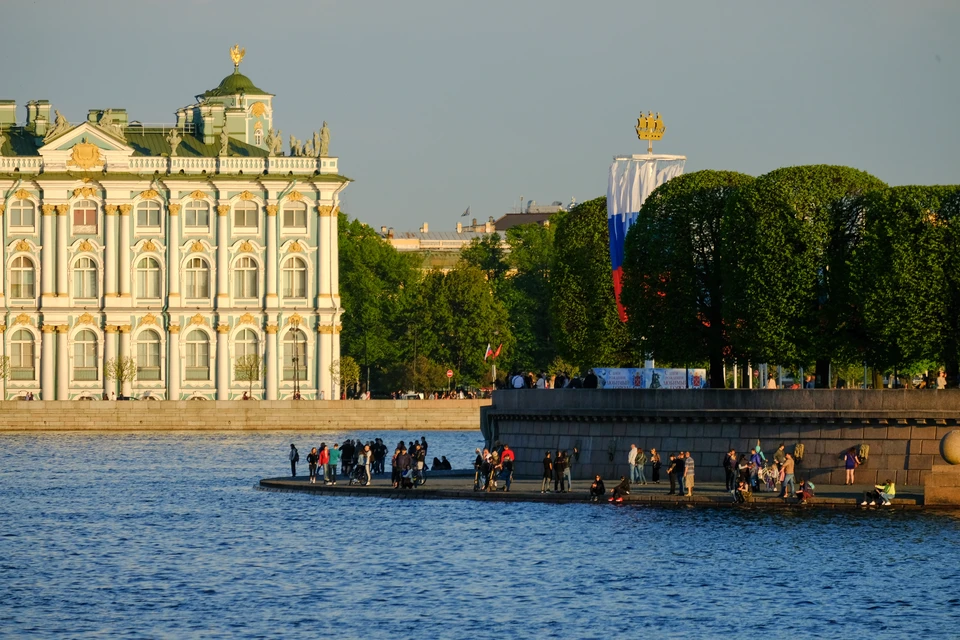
323	461
507	459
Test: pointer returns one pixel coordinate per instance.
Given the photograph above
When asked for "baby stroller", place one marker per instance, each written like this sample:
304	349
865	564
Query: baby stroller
359	475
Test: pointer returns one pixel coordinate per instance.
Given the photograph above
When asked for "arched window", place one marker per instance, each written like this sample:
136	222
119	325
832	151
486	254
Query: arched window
245	278
294	215
294	278
245	215
295	355
23	213
198	278
246	344
21	356
197	215
258	136
148	355
85	356
85	278
85	217
148	214
198	356
148	278
22	278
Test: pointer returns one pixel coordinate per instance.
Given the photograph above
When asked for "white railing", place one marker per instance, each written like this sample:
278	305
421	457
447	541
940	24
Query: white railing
284	164
193	165
328	165
28	164
247	165
234	164
147	163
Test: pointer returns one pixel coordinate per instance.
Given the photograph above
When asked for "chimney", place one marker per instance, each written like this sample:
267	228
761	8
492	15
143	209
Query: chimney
474	222
390	233
489	226
383	230
459	227
426	228
31	112
8	113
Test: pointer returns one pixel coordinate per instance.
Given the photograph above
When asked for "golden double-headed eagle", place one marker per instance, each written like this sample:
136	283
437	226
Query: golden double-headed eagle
236	54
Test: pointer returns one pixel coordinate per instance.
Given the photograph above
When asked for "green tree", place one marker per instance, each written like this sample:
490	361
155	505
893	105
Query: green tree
588	329
250	369
121	369
673	287
346	372
487	254
777	232
527	294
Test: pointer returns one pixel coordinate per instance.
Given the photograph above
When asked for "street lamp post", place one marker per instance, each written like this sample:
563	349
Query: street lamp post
296	360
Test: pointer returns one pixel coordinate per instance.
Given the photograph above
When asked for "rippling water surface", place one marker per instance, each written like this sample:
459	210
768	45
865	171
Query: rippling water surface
164	535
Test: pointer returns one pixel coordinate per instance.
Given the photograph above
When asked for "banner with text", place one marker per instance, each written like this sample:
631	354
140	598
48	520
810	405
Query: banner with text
645	378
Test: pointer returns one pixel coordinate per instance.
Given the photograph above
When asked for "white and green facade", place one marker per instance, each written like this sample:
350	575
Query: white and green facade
116	248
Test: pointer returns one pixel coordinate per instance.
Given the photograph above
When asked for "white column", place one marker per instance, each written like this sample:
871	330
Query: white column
223	363
323	258
271	222
222	255
123	247
173	256
109	353
110	253
324	359
125	344
62	253
47	362
3	251
335	344
63	372
173	362
271	356
47	266
3	385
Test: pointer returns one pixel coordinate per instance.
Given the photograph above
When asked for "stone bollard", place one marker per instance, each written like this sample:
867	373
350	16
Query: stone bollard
942	485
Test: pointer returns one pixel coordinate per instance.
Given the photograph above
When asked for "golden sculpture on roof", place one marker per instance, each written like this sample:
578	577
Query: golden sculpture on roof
650	127
236	54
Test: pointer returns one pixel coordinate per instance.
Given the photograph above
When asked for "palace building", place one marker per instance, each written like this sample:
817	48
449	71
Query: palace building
169	252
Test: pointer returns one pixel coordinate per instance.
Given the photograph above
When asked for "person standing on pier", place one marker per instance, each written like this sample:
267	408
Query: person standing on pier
641	463
335	456
294	459
655	466
688	474
323	457
672	474
547	473
632	462
312	459
850	462
507	459
730	470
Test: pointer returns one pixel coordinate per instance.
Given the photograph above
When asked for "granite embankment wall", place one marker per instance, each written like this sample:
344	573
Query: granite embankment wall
348	415
902	427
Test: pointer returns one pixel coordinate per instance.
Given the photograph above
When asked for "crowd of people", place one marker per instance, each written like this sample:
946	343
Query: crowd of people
492	465
360	461
531	380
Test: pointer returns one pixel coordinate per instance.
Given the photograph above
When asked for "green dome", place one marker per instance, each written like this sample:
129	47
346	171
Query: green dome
233	84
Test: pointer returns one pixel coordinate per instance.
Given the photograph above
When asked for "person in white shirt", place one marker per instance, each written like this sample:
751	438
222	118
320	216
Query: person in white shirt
632	461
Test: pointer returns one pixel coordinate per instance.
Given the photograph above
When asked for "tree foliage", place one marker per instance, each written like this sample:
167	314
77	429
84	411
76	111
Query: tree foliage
673	284
249	368
121	369
346	372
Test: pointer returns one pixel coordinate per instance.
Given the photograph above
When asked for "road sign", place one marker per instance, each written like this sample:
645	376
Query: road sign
449	373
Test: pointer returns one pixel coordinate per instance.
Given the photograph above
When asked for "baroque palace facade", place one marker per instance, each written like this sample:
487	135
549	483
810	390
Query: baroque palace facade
181	248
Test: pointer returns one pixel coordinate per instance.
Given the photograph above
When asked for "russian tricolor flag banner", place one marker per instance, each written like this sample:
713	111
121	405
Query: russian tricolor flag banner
632	179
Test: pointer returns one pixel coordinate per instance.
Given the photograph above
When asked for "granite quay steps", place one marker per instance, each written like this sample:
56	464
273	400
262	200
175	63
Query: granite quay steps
260	415
902	428
459	486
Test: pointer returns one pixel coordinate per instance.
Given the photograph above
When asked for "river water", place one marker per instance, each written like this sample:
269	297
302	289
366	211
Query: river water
164	535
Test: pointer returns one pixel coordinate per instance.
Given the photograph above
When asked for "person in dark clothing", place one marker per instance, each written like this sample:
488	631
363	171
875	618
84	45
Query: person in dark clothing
730	469
404	463
294	459
559	484
597	489
547	473
445	464
437	465
312	459
655	464
622	489
672	475
590	380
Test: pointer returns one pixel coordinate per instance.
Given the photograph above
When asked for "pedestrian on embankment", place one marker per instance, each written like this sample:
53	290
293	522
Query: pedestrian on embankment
672	474
312	459
850	463
654	466
547	473
688	474
294	459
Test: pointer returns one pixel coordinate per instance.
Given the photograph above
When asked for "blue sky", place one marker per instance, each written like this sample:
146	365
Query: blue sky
438	105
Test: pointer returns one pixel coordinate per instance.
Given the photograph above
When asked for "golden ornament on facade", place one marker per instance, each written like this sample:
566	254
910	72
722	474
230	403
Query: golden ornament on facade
258	109
196	246
272	328
3	208
124	328
85	155
223	328
223	209
295	196
63	209
327	329
199	319
49	328
246	195
23	245
174	209
48	209
110	328
174	328
3	328
271	209
149	194
324	210
296	320
22	319
21	194
149	246
86	319
86	192
110	209
246	247
295	247
247	318
62	328
147	319
125	209
236	54
85	246
198	195
258	126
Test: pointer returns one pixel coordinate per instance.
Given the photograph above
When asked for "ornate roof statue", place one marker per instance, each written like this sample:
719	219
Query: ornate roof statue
268	141
316	143
296	149
224	142
107	124
308	149
324	140
60	125
174	140
236	54
277	148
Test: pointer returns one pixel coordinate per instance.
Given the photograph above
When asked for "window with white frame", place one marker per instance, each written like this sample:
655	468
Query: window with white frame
295	216
246	344
245	278
85	356
85	216
23	213
258	136
148	278
23	278
148	214
22	356
198	356
294	278
197	278
245	216
196	215
148	355
295	355
85	278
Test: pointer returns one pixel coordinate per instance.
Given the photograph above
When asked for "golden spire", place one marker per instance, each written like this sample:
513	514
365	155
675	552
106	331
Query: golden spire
236	54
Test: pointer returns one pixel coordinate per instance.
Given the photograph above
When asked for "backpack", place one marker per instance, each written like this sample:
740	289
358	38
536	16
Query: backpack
798	452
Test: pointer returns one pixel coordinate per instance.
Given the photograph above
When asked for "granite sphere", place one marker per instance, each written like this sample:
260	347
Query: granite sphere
950	447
